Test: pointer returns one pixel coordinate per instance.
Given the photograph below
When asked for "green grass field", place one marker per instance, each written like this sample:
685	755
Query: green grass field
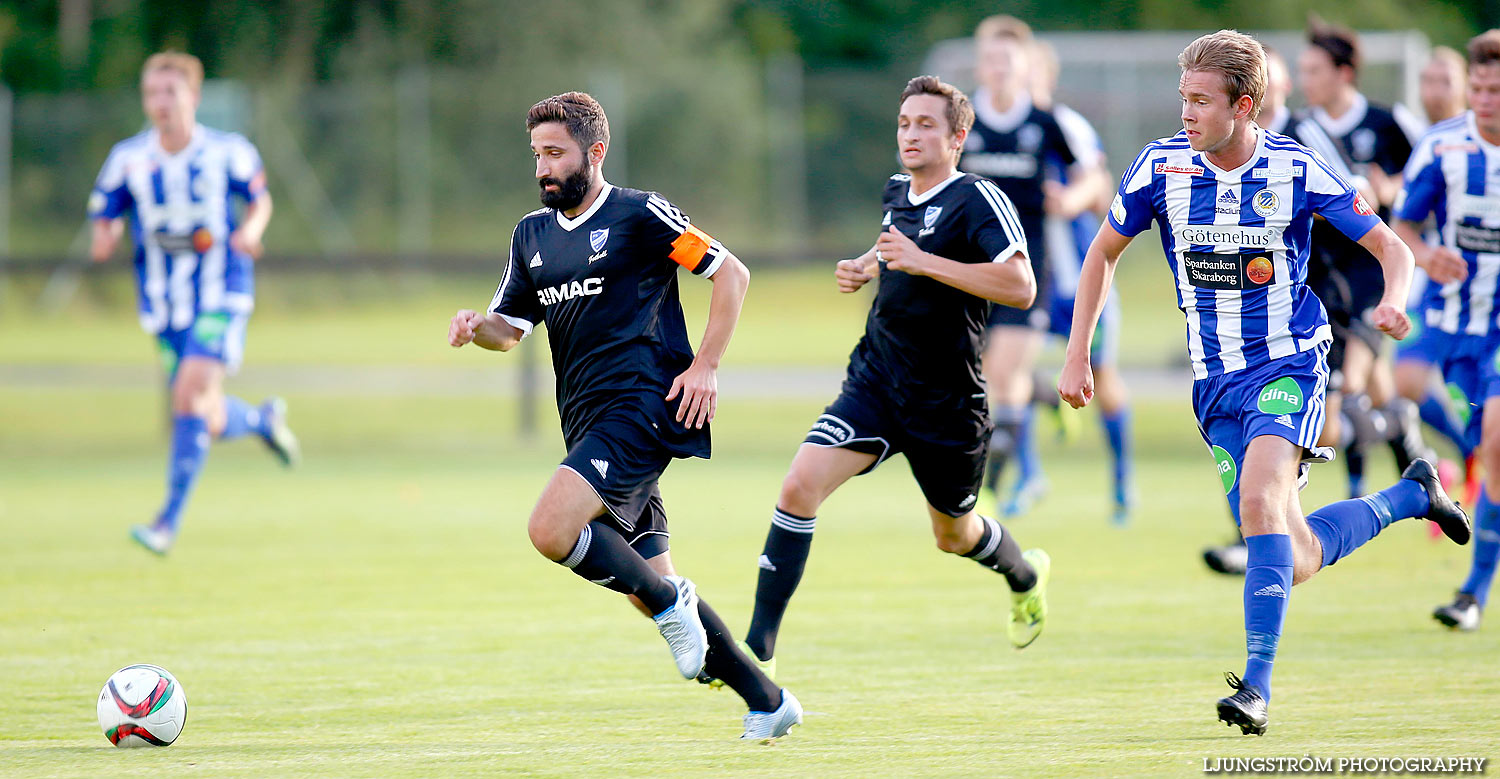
380	612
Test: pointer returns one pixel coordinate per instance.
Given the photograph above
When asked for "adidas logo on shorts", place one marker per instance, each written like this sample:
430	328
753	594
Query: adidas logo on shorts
601	466
1286	420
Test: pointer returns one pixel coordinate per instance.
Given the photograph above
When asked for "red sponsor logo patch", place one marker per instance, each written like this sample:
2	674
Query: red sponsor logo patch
1259	270
1444	148
1185	170
1362	207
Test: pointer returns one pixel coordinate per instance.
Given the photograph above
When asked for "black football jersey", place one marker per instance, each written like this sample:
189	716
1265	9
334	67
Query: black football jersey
923	338
1015	150
1366	136
605	284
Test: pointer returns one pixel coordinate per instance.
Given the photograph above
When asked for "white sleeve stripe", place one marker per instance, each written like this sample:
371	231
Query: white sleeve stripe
719	253
1337	179
510	264
670	211
518	323
1010	251
679	226
1004	210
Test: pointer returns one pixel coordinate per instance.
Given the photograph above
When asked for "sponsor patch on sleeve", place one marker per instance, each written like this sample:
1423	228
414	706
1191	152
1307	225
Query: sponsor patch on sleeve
1362	207
1117	209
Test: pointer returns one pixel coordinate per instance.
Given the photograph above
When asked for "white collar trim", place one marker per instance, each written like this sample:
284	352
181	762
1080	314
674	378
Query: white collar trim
1345	124
917	200
572	224
994	119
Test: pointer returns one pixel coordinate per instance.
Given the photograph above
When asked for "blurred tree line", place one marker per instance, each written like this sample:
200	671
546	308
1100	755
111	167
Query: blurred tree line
74	44
707	98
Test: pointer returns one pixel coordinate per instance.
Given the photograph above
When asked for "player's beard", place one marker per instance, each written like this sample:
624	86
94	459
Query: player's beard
570	191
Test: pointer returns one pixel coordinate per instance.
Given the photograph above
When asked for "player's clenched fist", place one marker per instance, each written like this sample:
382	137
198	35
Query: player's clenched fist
851	274
463	326
1391	320
1076	384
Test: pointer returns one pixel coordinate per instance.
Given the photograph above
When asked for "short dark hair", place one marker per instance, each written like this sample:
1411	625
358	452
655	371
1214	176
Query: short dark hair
1341	43
579	112
1484	49
959	112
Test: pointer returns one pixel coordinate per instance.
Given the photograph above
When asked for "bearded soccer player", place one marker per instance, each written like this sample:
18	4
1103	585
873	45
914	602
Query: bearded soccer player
950	244
1451	177
598	265
177	184
1257	336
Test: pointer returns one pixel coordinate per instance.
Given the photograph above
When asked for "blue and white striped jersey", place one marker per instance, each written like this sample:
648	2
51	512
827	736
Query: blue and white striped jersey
181	214
1454	175
1068	239
1237	243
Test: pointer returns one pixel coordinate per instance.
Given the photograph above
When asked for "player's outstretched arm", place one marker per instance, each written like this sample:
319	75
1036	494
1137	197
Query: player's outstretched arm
699	384
106	235
1441	263
1009	282
1396	264
1076	384
485	331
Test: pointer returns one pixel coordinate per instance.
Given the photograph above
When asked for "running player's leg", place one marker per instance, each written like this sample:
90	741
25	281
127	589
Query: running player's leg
221	336
1359	360
197	407
1009	357
1114	407
724	661
816	471
1465	612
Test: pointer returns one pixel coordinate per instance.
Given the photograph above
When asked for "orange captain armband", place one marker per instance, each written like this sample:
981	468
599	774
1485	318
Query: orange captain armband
690	248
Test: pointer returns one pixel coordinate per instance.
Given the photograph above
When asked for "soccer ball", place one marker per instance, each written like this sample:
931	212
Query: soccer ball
142	706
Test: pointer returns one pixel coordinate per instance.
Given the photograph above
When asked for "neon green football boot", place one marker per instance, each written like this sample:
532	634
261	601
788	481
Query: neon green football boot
1028	611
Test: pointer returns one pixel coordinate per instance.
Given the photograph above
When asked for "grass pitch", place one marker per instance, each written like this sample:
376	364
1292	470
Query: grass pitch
380	612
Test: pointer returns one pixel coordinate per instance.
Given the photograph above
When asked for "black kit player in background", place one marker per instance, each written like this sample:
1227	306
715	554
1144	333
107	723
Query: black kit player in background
950	244
1013	143
1347	279
599	266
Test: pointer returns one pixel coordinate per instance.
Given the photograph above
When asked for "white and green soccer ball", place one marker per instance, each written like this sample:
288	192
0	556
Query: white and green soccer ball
142	706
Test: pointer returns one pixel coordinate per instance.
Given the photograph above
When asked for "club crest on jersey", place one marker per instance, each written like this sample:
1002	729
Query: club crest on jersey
1362	145
1265	202
929	217
597	238
1029	138
573	289
1181	170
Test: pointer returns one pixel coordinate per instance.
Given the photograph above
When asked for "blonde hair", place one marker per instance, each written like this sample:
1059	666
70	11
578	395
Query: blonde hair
1239	58
1002	26
186	64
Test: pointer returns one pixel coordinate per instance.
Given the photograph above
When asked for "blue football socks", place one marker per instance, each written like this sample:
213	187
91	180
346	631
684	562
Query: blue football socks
241	418
1486	550
1029	458
189	449
1117	430
1268	586
1435	413
1346	525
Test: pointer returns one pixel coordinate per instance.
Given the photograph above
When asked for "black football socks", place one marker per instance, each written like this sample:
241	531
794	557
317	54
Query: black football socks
603	557
727	663
998	551
781	564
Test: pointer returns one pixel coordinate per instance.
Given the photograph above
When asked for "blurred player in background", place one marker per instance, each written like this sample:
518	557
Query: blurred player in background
1453	178
950	244
1068	233
598	264
1443	88
1375	147
194	261
1013	144
1235	205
